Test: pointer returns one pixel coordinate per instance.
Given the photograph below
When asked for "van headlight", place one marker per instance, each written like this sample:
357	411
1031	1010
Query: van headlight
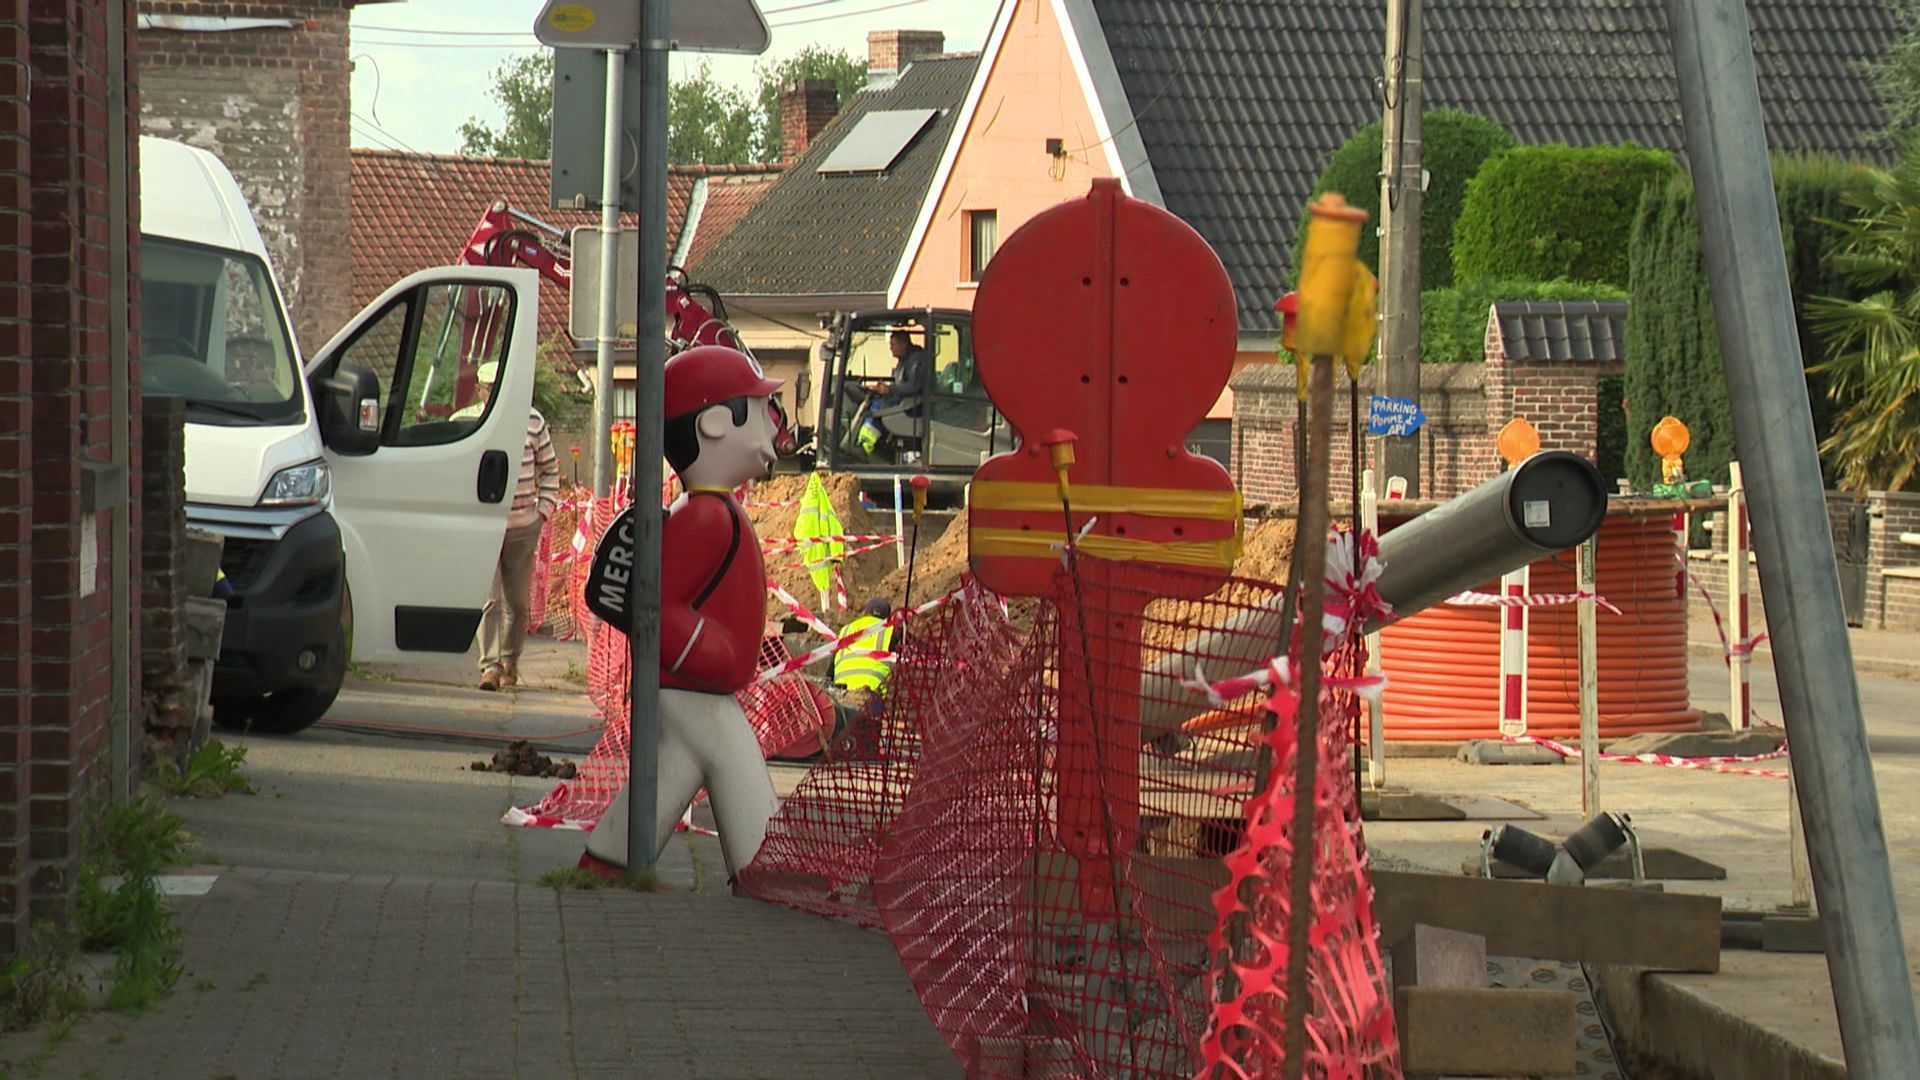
299	485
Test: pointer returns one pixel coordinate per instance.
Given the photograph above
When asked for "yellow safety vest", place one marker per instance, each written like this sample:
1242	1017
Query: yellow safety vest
863	672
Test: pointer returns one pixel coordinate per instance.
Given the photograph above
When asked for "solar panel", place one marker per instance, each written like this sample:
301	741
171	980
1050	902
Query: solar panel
877	141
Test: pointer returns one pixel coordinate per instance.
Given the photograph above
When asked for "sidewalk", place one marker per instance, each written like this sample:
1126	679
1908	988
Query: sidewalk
305	976
1878	652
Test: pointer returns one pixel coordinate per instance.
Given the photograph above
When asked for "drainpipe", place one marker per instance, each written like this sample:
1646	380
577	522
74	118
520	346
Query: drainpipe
120	717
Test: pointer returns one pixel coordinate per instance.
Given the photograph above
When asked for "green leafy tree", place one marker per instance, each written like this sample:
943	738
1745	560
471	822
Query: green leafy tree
1453	321
524	88
1453	147
1673	364
1543	212
556	392
1872	355
708	121
812	62
1896	74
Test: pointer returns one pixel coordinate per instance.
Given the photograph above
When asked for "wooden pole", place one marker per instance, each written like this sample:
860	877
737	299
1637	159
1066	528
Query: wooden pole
1589	679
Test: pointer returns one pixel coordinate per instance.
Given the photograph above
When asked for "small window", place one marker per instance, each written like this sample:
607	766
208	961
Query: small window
983	237
624	405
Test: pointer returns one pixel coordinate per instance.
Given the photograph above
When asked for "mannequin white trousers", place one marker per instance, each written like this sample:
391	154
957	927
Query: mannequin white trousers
705	740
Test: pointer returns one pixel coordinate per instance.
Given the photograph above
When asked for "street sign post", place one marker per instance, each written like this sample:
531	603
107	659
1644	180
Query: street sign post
646	31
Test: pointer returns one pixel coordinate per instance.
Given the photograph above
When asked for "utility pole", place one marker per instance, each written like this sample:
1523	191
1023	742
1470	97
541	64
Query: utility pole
649	388
1773	432
1402	187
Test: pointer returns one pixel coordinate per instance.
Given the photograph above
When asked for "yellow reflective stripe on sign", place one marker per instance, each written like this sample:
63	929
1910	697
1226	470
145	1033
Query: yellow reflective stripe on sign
1018	543
1015	495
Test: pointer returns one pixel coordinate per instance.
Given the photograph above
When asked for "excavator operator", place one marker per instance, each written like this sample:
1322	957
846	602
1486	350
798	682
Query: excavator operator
908	382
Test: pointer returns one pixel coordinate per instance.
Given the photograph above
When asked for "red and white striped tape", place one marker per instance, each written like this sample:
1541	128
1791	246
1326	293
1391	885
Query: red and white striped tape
814	622
788	543
1723	764
1729	649
1480	599
808	659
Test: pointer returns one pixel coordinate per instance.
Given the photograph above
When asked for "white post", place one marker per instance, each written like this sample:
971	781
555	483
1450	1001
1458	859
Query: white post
1513	654
1376	712
1797	850
899	524
1396	487
1680	527
604	480
1739	704
1586	579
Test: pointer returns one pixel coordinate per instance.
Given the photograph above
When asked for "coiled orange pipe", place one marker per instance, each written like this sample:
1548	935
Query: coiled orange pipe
1443	664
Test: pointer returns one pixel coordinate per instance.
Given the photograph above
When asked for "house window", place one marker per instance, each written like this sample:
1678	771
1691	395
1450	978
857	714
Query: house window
983	235
623	403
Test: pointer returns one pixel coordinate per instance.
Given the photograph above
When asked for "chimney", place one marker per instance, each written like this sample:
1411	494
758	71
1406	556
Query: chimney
807	106
890	51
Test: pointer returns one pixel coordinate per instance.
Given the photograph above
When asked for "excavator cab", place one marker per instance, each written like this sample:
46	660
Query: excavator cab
902	397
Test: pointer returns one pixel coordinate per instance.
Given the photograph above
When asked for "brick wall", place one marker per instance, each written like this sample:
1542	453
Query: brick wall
16	454
1893	601
163	594
1456	451
273	105
55	632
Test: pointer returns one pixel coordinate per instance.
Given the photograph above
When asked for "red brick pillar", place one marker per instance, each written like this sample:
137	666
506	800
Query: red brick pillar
16	455
70	613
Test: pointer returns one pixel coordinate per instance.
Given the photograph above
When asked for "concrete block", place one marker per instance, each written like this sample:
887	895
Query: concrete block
1437	957
204	620
1494	752
1698	743
1659	931
200	675
201	559
1484	1032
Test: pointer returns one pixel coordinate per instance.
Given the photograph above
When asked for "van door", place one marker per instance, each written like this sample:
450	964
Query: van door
423	515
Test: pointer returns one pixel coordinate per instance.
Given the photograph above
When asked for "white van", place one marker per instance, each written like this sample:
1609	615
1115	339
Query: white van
356	506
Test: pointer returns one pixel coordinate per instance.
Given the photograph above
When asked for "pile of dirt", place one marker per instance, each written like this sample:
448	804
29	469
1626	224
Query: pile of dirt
519	759
1266	550
937	565
864	573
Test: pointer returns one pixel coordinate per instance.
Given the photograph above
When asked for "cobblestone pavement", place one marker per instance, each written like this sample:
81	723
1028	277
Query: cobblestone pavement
304	976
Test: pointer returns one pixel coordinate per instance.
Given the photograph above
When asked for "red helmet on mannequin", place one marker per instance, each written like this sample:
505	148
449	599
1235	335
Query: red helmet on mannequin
710	374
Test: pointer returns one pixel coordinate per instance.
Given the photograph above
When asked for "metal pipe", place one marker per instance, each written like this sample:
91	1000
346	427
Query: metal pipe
1586	586
1773	434
1546	504
609	327
649	388
120	698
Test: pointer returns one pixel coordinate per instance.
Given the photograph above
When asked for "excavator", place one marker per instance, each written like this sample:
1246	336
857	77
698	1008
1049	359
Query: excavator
695	314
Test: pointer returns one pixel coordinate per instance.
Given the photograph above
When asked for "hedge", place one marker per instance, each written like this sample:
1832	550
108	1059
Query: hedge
1673	345
1538	213
1453	146
1453	321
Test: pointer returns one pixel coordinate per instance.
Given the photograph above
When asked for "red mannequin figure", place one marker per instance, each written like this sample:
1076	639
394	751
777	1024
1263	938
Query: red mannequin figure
719	434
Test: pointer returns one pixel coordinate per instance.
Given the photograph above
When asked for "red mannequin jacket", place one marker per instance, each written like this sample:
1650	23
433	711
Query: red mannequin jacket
713	588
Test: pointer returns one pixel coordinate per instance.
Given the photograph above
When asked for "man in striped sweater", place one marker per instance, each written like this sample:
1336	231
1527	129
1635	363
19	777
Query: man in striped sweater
503	623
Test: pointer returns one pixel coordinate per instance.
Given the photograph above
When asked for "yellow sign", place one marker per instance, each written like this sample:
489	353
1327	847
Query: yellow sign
572	18
1518	441
1670	439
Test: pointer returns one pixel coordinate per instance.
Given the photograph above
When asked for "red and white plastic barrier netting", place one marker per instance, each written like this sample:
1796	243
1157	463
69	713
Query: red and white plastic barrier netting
782	710
1047	950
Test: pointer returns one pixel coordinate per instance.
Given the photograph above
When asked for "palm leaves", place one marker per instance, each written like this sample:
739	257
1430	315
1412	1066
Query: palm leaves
1872	343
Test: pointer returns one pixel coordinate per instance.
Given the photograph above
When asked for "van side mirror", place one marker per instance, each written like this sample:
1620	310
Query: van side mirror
348	401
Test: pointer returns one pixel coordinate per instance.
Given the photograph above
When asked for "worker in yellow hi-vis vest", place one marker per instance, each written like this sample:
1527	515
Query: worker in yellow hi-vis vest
853	669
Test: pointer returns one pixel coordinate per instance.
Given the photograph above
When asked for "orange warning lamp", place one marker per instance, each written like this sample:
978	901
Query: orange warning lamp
1670	439
919	485
1518	441
1059	443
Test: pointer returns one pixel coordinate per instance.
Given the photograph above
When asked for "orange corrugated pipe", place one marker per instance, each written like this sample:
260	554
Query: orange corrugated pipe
1443	664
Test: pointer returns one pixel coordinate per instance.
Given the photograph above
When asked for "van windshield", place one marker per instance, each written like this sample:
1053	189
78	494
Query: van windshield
212	331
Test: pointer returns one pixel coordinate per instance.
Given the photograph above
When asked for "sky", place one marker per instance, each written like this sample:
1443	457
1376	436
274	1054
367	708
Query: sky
422	67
